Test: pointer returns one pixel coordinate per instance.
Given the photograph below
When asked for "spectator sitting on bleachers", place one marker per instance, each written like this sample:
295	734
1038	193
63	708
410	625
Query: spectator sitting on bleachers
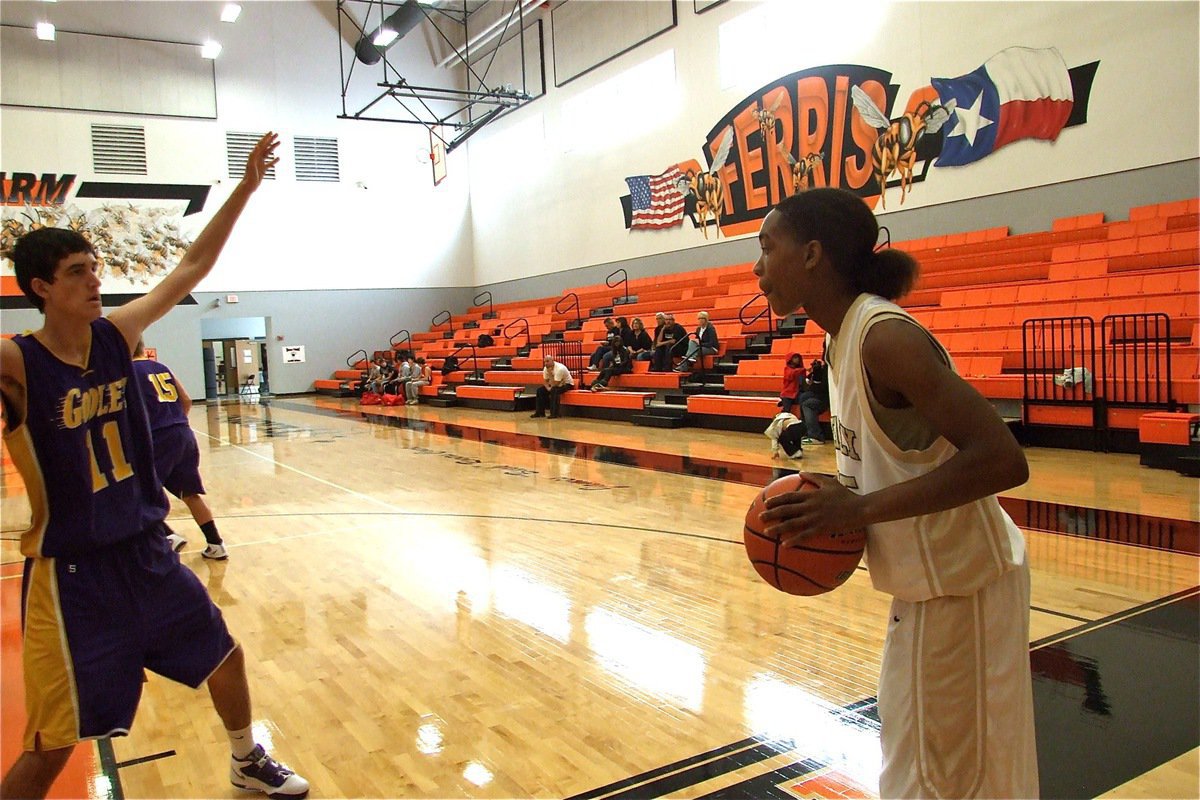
793	376
660	322
423	377
625	331
610	327
703	342
408	370
641	345
387	378
619	361
814	401
556	379
371	382
670	335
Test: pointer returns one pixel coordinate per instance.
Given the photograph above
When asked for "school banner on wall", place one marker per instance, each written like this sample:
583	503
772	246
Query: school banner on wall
838	125
134	227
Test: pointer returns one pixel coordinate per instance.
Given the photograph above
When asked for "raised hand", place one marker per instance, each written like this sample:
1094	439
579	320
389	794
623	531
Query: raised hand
261	159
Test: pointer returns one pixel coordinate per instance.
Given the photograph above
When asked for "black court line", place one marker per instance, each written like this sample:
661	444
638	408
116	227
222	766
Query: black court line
1062	614
144	759
1117	527
1090	625
108	768
626	783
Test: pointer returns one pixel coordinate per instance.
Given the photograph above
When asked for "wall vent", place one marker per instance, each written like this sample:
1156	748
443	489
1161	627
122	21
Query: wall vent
119	149
316	159
237	150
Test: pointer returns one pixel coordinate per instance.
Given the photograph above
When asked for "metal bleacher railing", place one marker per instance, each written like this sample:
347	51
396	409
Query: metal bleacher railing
570	354
396	338
1071	362
449	320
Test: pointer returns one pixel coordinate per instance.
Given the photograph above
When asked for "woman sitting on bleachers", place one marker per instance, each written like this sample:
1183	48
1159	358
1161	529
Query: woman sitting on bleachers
640	345
660	322
703	342
625	331
618	361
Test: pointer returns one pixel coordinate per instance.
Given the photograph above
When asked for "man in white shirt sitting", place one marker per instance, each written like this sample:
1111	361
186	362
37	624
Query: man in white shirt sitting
556	379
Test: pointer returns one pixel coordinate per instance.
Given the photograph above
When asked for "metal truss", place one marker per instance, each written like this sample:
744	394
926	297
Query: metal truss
461	111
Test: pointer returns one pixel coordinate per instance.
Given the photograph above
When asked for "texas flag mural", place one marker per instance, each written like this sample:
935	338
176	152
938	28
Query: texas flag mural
1019	93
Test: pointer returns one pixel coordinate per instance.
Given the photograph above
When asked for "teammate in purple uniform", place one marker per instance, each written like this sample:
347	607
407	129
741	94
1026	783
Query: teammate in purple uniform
176	456
104	596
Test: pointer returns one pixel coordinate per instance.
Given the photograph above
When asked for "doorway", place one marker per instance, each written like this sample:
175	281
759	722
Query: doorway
235	357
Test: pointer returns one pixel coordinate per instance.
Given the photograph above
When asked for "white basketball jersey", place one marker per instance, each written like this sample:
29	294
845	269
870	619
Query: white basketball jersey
953	552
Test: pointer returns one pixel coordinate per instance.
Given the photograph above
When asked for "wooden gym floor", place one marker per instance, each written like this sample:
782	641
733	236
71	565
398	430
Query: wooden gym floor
459	603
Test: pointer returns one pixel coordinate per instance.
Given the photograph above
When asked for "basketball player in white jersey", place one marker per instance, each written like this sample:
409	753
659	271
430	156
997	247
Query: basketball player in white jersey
920	458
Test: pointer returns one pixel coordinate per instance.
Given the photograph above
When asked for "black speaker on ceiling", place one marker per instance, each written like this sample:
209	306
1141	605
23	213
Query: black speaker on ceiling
402	20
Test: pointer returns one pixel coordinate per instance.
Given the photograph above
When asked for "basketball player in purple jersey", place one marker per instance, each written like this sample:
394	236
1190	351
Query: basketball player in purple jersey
176	456
104	595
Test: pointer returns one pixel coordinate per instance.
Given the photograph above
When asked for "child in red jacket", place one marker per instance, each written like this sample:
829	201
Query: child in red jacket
793	379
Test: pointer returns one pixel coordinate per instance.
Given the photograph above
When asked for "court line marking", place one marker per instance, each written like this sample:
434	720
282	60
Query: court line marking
1112	619
143	759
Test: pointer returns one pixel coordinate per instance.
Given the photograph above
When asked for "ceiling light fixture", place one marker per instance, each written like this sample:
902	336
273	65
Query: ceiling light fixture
230	12
45	31
385	37
210	49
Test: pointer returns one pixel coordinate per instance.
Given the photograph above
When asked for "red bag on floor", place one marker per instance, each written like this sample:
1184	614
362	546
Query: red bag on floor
369	399
393	400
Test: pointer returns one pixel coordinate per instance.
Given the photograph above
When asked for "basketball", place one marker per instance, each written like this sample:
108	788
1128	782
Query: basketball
816	565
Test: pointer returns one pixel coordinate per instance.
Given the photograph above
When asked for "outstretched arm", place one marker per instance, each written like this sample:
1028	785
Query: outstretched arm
904	368
134	317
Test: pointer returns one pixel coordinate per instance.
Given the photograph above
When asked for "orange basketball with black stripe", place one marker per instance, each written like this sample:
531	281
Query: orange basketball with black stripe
816	564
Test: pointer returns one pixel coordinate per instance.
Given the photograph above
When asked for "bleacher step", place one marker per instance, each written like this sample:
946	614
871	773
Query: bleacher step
441	401
792	324
703	388
667	409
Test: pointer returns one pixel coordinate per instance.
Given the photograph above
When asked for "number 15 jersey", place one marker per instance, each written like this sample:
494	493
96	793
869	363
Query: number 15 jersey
84	449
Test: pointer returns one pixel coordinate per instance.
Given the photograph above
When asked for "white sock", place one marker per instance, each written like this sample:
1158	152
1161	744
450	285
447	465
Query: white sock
241	742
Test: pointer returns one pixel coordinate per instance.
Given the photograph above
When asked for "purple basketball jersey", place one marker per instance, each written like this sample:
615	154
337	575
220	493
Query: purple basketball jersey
159	394
84	449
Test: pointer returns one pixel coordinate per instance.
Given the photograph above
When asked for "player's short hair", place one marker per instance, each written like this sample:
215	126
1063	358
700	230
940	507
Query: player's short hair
37	255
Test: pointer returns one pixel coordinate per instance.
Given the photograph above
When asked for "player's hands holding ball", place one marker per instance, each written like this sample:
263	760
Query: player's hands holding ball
830	508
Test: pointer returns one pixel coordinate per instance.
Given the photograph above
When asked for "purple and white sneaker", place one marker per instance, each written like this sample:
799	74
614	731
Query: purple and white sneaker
258	772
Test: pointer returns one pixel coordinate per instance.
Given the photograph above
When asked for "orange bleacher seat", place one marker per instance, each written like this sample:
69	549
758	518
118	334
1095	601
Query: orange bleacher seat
761	366
624	400
646	380
1074	223
732	406
753	383
502	393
